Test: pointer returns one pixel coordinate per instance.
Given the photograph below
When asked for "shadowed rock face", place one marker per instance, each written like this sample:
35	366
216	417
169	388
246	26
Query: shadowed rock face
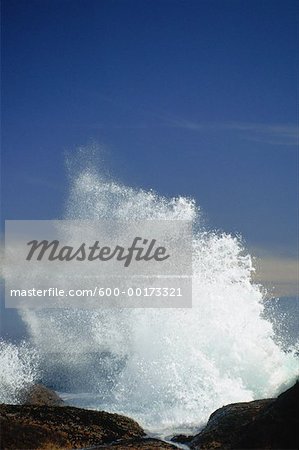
261	424
225	422
276	427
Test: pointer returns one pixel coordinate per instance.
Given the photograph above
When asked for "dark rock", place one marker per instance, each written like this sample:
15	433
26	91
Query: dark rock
182	438
225	422
52	427
142	443
262	424
276	427
41	395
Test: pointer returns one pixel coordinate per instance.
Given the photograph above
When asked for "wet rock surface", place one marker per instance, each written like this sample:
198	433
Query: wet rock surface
45	427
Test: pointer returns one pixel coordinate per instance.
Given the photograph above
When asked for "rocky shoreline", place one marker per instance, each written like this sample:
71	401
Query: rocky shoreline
44	422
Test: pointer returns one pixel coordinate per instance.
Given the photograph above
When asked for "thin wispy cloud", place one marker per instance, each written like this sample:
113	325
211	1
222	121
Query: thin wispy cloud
285	135
273	134
279	275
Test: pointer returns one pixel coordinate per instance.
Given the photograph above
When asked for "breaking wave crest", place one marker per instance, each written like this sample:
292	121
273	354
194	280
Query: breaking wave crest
164	367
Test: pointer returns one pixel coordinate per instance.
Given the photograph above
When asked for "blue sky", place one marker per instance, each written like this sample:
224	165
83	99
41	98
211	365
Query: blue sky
191	97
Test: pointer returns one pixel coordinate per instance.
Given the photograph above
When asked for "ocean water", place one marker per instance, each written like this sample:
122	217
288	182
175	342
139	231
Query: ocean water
167	368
